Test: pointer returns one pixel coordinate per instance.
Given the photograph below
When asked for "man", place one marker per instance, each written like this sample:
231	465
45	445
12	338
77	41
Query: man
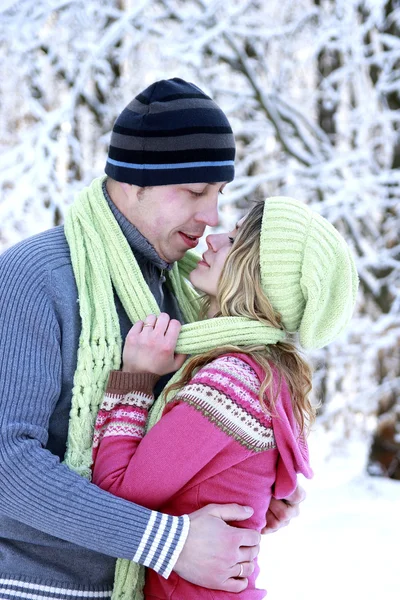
171	153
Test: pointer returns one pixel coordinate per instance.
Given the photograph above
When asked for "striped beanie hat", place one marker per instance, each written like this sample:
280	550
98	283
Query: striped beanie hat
307	271
172	132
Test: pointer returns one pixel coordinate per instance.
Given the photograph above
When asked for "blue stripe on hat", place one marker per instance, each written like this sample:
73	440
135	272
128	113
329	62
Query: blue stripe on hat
190	165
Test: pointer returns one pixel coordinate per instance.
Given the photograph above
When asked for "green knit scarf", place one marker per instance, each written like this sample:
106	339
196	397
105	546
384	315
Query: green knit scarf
103	261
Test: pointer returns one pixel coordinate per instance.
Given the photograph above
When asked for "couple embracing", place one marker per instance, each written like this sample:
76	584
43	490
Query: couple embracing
104	455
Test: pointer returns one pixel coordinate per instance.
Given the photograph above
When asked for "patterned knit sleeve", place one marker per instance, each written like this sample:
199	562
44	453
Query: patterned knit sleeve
211	417
124	408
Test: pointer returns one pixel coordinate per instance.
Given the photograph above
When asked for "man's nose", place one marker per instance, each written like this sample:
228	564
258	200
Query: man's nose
209	213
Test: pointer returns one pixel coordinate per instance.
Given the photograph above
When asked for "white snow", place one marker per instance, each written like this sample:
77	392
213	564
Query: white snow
344	544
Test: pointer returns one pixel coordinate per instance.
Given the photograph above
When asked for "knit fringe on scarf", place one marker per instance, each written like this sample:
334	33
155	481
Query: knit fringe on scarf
102	261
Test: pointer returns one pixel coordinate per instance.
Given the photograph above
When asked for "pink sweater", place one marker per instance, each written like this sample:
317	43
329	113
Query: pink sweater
214	444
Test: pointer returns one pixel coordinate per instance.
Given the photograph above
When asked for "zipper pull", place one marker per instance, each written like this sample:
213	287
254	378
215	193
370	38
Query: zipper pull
161	282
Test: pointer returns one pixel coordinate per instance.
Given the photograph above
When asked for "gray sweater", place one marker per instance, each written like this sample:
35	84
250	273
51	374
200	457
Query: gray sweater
60	534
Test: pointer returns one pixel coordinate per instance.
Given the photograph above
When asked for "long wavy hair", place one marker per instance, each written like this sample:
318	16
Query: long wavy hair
240	293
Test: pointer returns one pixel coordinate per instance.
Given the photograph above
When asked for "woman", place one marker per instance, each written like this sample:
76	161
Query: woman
234	426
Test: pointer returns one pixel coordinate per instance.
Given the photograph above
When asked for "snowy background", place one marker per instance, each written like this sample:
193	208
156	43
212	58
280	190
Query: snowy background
344	543
312	89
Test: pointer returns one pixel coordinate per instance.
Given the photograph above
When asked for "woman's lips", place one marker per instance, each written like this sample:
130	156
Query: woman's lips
203	261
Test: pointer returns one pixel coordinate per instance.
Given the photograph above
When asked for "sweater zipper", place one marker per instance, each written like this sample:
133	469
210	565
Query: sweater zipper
161	282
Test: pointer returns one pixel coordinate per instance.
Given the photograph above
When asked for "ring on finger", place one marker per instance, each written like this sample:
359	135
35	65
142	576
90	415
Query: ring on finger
148	323
241	570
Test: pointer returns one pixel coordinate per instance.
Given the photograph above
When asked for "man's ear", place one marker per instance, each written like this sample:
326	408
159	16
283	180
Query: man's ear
126	187
131	192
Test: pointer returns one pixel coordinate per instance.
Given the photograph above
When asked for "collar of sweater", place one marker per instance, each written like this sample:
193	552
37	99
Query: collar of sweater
142	248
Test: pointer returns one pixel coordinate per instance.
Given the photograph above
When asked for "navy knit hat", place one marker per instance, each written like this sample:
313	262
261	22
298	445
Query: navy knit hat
171	133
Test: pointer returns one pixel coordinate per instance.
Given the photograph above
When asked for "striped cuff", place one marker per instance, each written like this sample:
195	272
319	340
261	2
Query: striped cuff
162	542
36	588
179	546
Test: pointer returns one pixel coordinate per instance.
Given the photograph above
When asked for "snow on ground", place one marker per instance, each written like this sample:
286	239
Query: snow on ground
345	544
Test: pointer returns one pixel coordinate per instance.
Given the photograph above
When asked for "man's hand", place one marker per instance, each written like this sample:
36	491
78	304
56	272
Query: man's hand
281	512
215	554
150	346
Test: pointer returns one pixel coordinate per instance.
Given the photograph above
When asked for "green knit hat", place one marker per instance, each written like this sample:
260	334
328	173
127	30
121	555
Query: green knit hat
307	271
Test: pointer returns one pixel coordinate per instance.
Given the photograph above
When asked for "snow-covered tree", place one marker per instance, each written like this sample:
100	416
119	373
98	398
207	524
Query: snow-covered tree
312	91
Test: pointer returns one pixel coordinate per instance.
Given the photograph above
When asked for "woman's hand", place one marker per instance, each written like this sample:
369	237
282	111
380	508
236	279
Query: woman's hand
281	512
150	346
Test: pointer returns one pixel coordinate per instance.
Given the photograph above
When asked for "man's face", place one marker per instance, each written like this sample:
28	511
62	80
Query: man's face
173	217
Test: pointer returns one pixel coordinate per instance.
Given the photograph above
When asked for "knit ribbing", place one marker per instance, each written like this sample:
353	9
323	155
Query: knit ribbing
36	589
307	271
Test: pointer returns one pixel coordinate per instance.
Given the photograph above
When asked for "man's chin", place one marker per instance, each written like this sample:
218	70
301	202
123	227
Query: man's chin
177	255
181	255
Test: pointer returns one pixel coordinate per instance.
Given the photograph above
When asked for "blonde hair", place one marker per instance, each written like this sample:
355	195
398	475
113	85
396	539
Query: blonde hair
240	294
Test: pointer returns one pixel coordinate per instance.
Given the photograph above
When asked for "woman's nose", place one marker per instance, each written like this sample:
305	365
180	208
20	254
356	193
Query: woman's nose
213	241
209	242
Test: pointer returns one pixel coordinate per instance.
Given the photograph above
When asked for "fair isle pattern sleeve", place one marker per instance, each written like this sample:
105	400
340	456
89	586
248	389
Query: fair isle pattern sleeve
226	393
123	413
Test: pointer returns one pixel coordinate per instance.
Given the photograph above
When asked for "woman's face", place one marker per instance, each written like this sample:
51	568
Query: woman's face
205	276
